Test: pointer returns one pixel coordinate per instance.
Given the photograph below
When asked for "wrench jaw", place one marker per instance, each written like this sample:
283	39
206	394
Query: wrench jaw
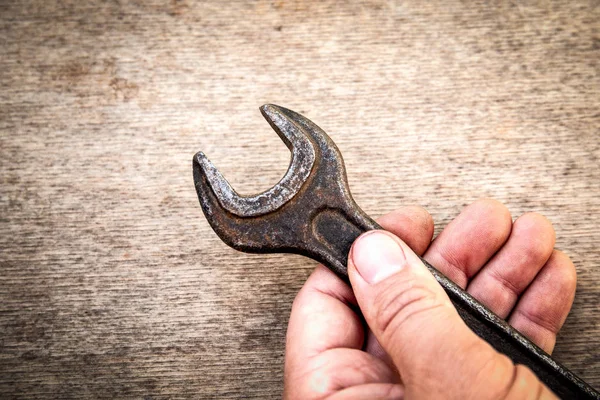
269	221
302	160
249	223
286	123
253	234
328	165
303	213
228	226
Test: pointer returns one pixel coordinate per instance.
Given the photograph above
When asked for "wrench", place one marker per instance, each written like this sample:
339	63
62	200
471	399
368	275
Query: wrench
311	212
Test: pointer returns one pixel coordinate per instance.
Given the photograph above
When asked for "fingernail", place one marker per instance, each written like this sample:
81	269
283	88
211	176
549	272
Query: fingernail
376	256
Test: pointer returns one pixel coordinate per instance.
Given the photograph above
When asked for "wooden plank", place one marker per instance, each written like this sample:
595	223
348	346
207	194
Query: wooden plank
112	283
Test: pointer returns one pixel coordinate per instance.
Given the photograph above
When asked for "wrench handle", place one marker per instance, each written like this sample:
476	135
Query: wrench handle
337	230
507	340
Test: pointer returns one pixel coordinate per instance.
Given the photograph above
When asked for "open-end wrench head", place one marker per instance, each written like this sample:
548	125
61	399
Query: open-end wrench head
295	137
300	214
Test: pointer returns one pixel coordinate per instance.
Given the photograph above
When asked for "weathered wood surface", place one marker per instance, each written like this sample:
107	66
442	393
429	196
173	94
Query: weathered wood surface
113	285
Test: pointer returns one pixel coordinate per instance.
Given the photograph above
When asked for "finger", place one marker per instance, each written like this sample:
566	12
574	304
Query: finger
470	240
372	391
502	280
436	354
333	371
322	318
543	308
412	224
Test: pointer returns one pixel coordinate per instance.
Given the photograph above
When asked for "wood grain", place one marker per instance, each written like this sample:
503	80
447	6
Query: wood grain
111	282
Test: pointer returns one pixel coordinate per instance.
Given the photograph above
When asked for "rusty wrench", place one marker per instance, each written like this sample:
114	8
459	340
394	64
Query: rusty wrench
311	212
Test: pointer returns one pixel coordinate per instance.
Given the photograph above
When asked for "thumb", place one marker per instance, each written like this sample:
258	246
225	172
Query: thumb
413	319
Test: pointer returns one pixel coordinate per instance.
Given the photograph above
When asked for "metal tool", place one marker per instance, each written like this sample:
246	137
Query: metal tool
311	212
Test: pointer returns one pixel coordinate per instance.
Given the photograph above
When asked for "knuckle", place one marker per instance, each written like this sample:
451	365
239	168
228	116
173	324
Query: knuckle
535	255
401	303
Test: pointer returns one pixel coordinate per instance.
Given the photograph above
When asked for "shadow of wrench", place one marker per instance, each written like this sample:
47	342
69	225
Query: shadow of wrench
311	212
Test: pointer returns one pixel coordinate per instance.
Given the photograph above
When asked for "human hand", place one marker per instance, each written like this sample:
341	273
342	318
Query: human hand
415	345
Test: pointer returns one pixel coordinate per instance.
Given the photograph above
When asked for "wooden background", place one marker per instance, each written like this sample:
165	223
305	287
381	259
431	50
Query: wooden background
111	282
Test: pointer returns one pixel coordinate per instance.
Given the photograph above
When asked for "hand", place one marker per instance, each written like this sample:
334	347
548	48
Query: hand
415	345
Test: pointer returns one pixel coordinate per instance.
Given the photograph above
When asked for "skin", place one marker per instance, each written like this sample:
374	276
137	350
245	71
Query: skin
396	335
